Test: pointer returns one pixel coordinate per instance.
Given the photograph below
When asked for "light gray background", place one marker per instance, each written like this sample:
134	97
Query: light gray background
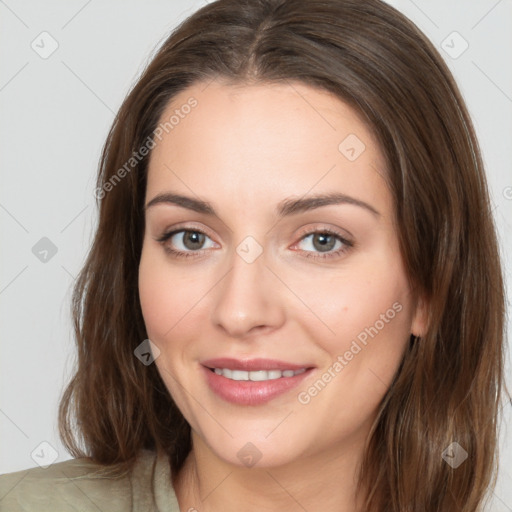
55	114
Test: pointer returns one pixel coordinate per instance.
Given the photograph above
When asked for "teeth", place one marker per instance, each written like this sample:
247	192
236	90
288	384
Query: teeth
239	375
257	375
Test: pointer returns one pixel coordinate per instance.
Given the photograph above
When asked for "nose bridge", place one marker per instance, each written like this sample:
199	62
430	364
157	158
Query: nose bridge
246	297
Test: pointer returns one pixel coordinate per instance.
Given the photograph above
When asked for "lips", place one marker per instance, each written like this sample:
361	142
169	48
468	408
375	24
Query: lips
254	381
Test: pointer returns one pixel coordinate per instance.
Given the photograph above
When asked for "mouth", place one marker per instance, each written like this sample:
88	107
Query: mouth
252	382
256	375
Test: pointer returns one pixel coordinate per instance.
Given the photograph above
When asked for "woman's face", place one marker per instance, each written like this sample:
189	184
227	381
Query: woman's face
306	298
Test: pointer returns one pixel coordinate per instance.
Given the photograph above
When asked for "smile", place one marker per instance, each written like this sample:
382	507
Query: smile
257	375
252	382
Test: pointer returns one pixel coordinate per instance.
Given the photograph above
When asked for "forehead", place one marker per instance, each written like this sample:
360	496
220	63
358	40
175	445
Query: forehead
265	141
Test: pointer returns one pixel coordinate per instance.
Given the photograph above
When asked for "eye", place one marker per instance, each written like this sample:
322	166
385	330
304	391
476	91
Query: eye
188	241
324	241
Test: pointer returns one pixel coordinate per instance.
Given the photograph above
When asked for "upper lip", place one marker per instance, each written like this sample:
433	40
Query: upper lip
252	364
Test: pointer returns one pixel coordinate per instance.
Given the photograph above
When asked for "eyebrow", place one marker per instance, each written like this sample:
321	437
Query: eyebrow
285	208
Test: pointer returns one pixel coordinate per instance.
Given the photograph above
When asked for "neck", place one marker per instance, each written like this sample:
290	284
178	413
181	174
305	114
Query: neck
325	481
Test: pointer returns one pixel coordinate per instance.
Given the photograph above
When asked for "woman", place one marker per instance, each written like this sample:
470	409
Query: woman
294	298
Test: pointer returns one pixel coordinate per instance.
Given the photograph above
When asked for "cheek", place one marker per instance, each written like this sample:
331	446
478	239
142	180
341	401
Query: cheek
363	311
168	315
368	314
167	295
154	300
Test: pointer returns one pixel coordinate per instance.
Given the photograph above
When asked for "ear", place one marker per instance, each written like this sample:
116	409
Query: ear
419	325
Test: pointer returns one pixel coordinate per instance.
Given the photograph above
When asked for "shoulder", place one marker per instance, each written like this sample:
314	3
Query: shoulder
80	484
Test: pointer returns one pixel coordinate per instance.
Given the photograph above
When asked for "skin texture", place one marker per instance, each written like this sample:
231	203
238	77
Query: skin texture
245	149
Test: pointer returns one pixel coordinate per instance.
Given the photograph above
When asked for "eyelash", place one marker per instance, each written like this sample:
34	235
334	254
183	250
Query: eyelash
347	244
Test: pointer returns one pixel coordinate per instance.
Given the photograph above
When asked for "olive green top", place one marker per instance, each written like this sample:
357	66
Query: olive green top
73	486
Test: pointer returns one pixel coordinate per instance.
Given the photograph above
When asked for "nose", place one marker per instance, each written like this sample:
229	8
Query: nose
248	299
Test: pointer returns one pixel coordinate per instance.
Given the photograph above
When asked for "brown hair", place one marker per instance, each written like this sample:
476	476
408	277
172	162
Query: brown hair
449	384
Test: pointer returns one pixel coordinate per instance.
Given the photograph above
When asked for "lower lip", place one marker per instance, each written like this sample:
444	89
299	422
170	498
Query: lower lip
247	392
